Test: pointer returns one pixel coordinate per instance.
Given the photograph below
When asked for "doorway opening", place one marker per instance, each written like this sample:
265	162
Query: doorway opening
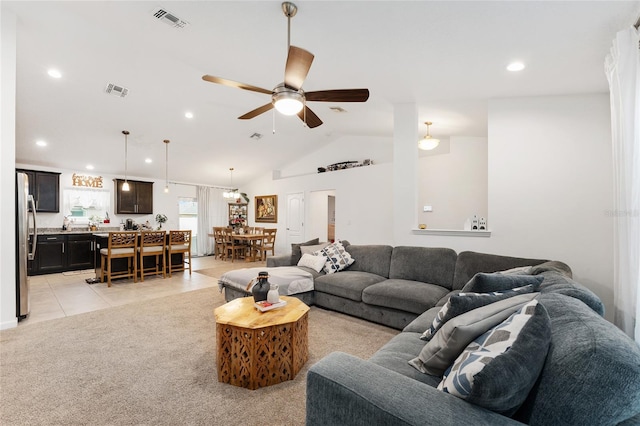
322	215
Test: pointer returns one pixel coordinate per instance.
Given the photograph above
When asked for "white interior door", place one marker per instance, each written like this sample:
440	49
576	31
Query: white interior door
295	218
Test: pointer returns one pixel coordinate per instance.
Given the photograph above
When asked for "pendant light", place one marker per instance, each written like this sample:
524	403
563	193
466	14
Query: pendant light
125	185
166	166
232	193
427	143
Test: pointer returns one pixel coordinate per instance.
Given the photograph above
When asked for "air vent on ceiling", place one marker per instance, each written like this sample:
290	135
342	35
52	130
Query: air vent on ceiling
169	18
337	109
116	90
256	136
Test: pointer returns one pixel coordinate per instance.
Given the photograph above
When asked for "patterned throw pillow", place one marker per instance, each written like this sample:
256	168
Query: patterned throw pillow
498	369
464	302
338	258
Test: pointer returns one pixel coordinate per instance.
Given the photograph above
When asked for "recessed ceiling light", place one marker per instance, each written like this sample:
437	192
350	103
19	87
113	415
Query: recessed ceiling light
41	143
90	167
54	73
188	114
515	66
148	160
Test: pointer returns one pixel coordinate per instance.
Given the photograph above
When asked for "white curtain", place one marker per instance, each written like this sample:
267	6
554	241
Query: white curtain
622	67
212	211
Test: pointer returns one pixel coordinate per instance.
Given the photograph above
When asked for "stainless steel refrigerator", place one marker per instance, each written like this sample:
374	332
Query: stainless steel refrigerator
25	246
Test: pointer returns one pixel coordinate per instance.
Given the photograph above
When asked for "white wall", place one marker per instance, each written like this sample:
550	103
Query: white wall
7	170
454	184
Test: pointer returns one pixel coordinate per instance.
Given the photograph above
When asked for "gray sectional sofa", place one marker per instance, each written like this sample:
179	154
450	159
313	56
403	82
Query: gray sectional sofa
589	373
394	285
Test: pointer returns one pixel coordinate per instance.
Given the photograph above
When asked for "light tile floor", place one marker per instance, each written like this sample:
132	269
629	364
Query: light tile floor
65	294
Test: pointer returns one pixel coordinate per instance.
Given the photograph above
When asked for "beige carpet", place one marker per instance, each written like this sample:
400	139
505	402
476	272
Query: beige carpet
153	363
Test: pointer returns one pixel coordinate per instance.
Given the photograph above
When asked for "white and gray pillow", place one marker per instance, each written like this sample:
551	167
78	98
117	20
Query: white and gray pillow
464	302
314	262
499	368
337	257
445	346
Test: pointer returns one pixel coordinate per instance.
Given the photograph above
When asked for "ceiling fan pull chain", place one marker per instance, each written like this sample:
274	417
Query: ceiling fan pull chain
274	121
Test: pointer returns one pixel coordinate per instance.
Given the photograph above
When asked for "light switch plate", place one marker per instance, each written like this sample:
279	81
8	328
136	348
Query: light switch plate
427	209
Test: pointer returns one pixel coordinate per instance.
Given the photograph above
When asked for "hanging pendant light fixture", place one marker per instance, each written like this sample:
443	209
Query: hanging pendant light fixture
427	143
233	192
166	166
125	185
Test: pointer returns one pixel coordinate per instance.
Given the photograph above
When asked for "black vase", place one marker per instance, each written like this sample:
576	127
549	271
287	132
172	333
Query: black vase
261	288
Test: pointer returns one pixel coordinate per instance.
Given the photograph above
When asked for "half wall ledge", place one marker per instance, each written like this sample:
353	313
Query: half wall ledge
452	232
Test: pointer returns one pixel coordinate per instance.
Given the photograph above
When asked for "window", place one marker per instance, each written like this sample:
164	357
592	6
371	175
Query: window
188	218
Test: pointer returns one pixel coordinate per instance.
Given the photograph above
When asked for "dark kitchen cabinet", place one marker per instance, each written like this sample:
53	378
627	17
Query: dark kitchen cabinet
45	188
50	254
80	252
138	200
60	253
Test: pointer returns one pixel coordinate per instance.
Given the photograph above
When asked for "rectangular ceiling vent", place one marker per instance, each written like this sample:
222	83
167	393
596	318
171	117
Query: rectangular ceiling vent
337	109
116	90
169	18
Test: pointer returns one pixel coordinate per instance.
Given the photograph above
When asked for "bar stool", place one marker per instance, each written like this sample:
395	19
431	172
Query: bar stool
121	245
153	243
179	243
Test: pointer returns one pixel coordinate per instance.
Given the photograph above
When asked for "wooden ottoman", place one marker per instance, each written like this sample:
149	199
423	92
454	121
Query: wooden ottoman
257	349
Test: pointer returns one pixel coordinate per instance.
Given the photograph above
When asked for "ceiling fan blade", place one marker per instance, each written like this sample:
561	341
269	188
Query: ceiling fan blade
256	112
236	84
312	119
342	95
298	64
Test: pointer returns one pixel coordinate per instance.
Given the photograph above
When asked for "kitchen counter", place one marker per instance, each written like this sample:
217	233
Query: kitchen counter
78	230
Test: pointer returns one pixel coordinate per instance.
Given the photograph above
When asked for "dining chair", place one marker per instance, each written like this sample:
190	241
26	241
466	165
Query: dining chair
153	243
122	245
233	246
267	243
179	243
218	242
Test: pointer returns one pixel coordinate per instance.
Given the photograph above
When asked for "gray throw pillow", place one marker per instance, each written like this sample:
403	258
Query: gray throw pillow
464	302
499	368
486	283
445	346
296	253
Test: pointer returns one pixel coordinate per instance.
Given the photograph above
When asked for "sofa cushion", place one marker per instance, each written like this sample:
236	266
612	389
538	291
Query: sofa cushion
555	282
464	302
296	253
425	264
404	295
397	352
347	284
486	283
591	375
312	249
371	258
423	321
498	369
457	333
337	258
470	263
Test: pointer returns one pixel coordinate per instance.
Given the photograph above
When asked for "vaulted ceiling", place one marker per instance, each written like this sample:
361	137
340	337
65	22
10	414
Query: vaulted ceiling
448	58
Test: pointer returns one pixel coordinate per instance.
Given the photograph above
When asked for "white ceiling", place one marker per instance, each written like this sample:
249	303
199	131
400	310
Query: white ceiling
447	57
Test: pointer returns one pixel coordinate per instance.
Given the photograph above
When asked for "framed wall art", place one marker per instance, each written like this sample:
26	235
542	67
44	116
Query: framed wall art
267	208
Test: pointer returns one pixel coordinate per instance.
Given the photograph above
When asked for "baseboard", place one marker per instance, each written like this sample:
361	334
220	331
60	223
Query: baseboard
9	324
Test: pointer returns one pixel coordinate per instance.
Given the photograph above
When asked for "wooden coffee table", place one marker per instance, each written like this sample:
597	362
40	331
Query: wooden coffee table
257	349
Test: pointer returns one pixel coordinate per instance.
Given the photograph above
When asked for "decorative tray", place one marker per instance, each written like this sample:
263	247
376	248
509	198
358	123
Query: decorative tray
264	306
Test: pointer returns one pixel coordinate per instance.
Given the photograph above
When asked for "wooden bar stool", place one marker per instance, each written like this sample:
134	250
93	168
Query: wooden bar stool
121	245
179	243
153	243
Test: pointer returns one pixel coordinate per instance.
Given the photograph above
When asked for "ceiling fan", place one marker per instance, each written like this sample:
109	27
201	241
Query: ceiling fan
288	96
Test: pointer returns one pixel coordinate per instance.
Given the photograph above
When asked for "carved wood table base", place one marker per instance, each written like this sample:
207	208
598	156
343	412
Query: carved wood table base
257	349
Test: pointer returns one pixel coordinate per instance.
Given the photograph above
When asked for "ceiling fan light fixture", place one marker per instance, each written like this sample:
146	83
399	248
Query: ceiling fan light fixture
287	102
428	143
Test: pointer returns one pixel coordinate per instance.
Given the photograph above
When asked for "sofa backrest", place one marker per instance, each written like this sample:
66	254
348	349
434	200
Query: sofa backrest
426	264
470	263
371	258
591	374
